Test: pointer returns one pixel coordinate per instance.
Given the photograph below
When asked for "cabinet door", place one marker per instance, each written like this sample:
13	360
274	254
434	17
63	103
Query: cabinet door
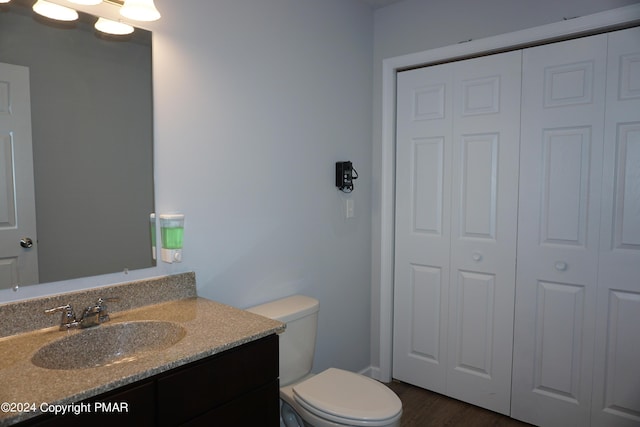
256	409
132	405
559	209
218	380
616	386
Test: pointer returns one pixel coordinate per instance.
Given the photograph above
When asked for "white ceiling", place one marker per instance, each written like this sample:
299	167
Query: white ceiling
379	3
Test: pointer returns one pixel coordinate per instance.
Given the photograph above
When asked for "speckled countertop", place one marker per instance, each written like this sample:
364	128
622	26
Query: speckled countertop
210	328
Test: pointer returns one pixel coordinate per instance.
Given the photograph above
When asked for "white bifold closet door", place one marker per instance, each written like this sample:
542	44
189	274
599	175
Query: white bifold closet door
560	186
616	380
577	336
456	218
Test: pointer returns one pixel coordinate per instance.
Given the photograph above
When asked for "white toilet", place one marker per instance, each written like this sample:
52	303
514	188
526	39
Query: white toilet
332	398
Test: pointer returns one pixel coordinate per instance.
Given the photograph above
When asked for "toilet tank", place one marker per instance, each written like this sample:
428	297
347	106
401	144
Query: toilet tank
298	341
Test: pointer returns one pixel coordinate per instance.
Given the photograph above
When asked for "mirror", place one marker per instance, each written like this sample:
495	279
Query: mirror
92	135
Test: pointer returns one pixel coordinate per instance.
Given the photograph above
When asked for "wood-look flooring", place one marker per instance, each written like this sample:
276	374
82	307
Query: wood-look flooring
424	408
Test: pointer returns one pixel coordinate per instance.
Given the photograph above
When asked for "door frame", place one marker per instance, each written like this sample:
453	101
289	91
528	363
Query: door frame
613	19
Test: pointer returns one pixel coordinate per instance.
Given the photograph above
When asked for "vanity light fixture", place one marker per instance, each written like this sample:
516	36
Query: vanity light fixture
137	10
113	27
140	10
4	1
54	11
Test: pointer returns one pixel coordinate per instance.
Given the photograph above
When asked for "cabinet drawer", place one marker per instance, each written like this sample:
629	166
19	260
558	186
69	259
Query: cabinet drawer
217	380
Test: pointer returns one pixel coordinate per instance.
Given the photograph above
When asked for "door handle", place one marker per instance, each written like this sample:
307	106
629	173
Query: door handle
477	256
561	266
26	242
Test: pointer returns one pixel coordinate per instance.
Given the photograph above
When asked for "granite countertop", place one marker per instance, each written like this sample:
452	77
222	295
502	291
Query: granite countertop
211	328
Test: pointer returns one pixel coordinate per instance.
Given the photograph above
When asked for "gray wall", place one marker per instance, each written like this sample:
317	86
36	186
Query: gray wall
255	102
412	26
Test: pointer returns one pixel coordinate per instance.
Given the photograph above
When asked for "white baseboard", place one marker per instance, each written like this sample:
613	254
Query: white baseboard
372	372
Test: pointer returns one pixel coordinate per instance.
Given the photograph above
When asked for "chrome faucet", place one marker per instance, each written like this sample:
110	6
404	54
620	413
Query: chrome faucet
91	316
68	319
97	313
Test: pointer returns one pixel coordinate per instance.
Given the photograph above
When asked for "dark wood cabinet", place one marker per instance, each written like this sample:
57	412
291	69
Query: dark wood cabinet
236	387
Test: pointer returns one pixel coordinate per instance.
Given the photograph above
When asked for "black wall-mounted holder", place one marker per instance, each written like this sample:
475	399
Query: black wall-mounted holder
345	174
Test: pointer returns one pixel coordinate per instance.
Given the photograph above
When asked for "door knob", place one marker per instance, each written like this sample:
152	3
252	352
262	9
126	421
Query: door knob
561	266
26	242
477	256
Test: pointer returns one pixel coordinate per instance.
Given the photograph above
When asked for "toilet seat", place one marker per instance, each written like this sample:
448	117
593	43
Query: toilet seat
347	398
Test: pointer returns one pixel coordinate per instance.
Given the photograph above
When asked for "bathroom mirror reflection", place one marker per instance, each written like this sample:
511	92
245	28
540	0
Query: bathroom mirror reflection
92	139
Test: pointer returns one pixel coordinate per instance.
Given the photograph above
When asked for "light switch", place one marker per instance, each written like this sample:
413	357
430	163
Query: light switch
349	212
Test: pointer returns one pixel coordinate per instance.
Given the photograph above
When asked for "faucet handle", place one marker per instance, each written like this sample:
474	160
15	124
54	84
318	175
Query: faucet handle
102	307
66	308
68	318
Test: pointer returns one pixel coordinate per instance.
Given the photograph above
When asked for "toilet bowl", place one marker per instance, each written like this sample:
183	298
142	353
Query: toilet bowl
332	398
341	398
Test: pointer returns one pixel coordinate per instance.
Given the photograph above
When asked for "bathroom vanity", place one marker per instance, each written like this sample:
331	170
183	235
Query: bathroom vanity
241	382
219	365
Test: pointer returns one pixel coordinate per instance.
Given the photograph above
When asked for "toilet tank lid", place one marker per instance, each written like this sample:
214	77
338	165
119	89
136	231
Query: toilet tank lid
287	309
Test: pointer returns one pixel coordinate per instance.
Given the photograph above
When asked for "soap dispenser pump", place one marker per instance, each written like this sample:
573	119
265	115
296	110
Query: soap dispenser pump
171	236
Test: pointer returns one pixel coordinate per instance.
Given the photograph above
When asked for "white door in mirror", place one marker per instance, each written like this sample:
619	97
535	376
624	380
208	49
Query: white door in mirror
18	240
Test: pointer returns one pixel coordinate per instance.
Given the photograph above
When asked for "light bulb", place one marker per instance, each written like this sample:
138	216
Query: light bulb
54	11
113	27
140	10
86	2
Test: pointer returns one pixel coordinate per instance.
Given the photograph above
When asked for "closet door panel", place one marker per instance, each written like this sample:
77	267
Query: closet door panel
560	322
456	201
616	390
564	201
483	229
423	203
559	208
